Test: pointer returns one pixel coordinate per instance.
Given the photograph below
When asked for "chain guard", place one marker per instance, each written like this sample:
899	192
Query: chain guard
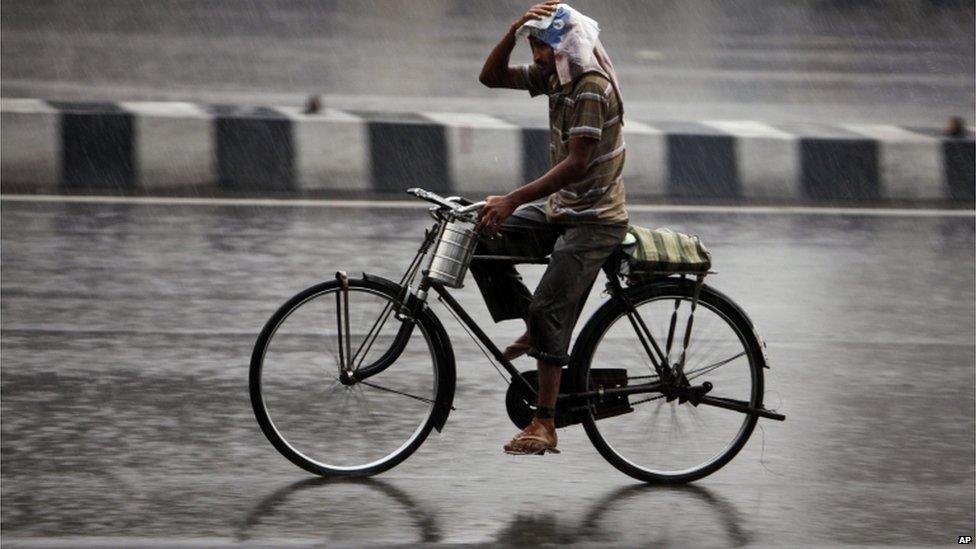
520	402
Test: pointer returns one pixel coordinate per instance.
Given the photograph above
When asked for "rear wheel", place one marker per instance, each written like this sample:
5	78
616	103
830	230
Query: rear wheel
663	440
332	428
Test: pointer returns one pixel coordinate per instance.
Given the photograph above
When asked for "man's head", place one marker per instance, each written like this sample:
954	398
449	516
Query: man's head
563	42
543	56
567	43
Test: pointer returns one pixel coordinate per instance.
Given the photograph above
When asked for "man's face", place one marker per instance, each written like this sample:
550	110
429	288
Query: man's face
543	56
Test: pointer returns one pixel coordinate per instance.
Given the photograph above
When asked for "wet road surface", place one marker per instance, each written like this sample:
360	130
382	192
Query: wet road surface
127	331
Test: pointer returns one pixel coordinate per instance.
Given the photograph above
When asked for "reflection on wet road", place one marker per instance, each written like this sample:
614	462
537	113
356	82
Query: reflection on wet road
127	331
630	515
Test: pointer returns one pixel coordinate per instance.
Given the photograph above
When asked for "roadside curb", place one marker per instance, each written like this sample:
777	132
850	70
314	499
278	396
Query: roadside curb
194	149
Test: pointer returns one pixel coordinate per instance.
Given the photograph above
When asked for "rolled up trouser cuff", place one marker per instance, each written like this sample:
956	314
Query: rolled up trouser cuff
549	358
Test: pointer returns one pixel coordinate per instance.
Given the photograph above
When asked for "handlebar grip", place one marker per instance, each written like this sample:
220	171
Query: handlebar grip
418	192
441	201
430	197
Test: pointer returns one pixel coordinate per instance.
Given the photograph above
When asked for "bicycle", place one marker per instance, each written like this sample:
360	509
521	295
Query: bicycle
655	406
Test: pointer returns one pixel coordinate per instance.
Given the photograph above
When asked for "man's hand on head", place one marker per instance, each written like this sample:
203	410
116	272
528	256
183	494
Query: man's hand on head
538	11
495	211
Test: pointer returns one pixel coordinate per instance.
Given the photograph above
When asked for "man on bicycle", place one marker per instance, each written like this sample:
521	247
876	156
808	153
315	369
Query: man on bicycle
583	218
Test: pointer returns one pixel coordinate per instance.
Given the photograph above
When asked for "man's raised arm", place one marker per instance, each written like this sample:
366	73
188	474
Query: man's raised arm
496	73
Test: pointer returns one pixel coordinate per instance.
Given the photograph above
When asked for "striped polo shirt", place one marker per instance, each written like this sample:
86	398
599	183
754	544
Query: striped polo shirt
586	107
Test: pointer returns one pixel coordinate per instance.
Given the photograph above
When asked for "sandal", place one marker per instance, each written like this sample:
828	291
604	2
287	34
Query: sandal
531	450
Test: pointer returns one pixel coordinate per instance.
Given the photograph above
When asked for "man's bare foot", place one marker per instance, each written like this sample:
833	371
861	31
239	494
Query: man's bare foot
518	348
538	438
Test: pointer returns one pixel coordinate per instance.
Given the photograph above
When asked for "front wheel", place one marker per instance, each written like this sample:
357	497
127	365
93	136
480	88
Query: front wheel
319	420
662	439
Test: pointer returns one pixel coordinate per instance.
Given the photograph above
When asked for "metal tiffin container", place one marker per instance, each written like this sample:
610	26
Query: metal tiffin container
452	253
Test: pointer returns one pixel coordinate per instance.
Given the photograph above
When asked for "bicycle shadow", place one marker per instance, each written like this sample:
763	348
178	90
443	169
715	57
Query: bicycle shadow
423	520
654	509
650	515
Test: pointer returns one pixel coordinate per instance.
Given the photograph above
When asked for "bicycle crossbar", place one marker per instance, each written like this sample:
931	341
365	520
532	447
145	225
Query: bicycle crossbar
512	259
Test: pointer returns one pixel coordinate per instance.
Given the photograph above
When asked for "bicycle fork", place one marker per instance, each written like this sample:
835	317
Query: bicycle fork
342	321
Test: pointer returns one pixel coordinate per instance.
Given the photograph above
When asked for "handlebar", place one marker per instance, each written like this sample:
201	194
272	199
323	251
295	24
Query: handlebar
454	207
472	207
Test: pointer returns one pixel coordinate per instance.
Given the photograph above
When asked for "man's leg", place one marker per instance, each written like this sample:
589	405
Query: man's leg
550	375
576	260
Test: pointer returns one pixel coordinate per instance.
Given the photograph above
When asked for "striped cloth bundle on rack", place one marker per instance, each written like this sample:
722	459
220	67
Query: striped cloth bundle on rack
663	250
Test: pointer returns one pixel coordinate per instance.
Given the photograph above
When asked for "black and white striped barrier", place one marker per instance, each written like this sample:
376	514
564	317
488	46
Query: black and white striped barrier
177	148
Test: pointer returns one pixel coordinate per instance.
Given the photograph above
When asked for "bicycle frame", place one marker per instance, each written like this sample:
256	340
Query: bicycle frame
411	303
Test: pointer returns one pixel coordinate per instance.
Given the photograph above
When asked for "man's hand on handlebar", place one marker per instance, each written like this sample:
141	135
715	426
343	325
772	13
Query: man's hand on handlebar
496	210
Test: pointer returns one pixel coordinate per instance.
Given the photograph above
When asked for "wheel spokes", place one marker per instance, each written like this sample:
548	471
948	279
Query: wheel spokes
705	369
394	391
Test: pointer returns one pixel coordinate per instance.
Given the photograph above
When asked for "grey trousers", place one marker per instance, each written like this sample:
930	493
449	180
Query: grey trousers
578	251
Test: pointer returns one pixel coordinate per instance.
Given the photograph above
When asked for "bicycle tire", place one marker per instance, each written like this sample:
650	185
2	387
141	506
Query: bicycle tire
442	356
593	333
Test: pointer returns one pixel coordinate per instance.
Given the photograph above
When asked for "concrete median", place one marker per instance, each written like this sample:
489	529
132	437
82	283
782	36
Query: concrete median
190	149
